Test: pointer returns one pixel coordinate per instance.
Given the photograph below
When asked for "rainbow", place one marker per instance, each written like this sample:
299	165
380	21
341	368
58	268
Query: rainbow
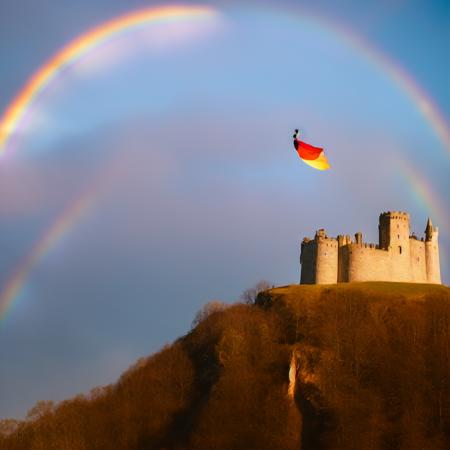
58	229
16	110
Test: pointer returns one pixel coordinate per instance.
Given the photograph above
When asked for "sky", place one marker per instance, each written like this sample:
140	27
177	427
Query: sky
156	172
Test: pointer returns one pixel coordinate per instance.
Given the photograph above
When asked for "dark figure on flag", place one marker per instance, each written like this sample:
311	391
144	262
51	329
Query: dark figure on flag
313	156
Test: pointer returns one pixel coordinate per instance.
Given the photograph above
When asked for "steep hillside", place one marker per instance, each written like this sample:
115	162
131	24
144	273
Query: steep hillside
360	366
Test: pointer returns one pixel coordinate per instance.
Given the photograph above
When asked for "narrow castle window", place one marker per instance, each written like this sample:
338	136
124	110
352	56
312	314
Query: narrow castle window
400	250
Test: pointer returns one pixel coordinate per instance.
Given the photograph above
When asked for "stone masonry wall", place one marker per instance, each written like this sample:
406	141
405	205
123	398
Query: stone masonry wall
308	261
432	262
418	262
327	261
343	264
368	263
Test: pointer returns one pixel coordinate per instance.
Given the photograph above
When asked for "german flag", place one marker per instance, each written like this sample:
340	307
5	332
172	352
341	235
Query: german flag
313	156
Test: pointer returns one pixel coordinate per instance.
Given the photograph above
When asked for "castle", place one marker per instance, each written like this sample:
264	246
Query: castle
398	256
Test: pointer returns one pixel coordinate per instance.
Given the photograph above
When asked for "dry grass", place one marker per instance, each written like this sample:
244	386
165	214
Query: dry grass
387	290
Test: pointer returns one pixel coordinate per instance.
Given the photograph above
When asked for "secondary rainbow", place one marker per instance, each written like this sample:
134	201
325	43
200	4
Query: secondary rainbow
424	194
16	111
428	200
64	222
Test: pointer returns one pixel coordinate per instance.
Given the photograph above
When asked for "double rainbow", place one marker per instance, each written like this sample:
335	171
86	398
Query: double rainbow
16	111
80	206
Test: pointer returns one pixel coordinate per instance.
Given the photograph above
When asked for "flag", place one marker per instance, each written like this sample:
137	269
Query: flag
313	156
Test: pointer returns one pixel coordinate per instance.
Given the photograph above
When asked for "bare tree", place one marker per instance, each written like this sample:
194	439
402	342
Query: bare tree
211	307
40	409
250	294
8	426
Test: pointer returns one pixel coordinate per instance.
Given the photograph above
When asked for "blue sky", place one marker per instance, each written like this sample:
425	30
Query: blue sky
190	128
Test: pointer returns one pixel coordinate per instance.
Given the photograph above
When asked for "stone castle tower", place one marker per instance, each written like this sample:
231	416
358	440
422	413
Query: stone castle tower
398	256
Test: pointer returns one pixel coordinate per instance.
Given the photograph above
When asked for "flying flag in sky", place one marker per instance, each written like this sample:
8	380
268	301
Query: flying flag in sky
313	156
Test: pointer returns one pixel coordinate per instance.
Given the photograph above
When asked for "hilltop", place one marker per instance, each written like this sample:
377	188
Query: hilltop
381	290
346	366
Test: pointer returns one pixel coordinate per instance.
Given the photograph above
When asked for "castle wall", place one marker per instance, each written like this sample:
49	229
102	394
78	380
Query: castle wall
417	261
368	263
400	263
327	261
343	264
432	262
308	261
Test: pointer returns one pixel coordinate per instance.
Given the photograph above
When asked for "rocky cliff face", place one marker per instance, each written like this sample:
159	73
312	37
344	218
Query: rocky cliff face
371	363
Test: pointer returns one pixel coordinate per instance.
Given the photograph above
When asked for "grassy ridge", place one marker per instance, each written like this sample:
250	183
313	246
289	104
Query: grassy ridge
379	288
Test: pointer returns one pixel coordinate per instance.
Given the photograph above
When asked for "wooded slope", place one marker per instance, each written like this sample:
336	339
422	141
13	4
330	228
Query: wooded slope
372	366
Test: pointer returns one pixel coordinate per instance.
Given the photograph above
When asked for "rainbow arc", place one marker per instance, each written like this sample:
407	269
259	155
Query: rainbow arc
15	112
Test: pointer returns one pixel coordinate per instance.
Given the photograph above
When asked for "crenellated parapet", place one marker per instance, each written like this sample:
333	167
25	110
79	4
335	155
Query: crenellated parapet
397	215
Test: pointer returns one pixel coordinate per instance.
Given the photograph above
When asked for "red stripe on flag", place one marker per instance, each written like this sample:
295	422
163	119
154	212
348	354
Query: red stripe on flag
307	151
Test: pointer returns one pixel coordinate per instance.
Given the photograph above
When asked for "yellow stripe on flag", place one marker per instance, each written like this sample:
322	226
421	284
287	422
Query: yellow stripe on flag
321	163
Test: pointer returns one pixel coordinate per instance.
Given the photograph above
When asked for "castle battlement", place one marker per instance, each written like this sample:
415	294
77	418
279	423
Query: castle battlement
396	215
399	255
